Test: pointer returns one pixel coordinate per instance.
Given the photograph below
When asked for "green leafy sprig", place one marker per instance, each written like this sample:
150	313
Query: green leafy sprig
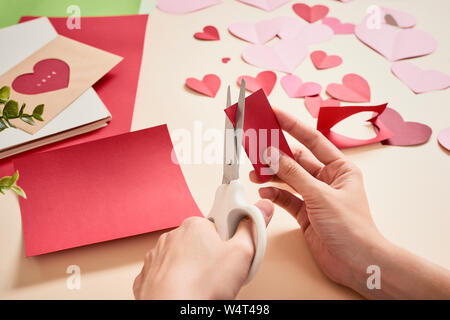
10	183
11	111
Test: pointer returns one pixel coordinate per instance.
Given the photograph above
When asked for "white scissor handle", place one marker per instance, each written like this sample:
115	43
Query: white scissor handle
229	209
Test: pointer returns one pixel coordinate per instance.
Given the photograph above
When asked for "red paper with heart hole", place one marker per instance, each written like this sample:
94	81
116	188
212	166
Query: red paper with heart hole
48	75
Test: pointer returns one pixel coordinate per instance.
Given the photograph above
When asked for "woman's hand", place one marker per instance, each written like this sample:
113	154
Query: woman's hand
192	262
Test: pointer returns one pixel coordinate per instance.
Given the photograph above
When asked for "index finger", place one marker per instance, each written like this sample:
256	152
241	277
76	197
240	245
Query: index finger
321	147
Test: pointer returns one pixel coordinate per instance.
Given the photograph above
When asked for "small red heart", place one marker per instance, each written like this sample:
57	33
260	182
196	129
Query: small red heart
406	133
314	103
208	86
264	80
354	88
310	14
48	75
226	60
209	33
323	61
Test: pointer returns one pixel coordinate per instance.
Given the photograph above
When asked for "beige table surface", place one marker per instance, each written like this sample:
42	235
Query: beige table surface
408	187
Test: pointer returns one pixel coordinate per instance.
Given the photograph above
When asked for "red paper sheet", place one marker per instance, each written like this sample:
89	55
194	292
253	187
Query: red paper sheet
259	116
121	35
102	190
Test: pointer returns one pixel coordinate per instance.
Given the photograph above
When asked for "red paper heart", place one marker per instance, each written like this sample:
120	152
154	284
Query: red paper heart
48	75
209	33
354	88
264	80
323	61
314	103
310	14
226	59
208	86
406	133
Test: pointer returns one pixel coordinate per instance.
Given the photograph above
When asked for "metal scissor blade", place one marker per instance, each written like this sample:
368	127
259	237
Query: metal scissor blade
240	115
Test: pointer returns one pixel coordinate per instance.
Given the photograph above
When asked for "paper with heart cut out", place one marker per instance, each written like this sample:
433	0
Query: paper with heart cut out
293	28
314	103
257	33
321	60
209	85
444	138
394	43
284	56
56	75
398	18
310	14
185	6
296	88
339	27
354	88
419	80
330	116
406	133
209	33
264	80
48	75
267	5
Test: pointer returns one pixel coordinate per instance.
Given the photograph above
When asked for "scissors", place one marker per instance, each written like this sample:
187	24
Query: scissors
229	206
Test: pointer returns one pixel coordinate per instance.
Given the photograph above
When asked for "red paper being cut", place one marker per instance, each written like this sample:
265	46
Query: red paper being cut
330	116
102	190
261	130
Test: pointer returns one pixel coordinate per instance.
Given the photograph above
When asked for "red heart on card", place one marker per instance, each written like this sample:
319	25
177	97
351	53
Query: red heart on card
314	103
354	88
209	33
264	80
310	14
323	61
406	133
208	86
48	75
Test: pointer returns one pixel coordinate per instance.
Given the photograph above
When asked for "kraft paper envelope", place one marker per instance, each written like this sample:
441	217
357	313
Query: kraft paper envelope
55	76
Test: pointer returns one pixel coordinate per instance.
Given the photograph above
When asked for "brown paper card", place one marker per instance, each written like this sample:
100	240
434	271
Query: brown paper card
55	76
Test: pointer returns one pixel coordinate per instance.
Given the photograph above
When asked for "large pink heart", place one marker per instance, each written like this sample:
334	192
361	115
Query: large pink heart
185	6
396	44
354	88
285	56
267	5
293	28
406	133
296	88
419	80
48	75
258	33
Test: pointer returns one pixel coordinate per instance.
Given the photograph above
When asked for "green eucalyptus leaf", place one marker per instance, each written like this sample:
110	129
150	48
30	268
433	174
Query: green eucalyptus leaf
22	109
14	178
19	191
28	119
38	111
11	109
5	182
3	125
5	91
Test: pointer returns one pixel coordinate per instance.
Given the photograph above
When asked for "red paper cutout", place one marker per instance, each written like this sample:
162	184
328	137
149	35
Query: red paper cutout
321	60
264	80
354	88
208	86
330	116
81	203
310	14
314	103
259	116
209	33
48	75
226	59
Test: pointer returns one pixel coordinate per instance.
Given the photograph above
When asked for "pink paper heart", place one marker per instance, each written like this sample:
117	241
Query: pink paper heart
310	14
323	61
396	44
419	80
264	80
257	33
338	27
285	56
444	138
293	28
48	75
185	6
209	33
314	103
406	133
398	18
267	5
208	86
354	88
296	88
